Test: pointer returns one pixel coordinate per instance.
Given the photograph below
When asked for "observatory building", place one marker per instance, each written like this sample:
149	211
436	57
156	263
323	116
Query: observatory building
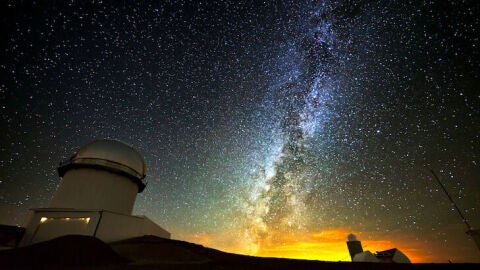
96	195
387	256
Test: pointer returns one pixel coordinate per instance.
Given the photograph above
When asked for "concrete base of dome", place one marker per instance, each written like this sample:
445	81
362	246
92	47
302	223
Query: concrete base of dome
108	226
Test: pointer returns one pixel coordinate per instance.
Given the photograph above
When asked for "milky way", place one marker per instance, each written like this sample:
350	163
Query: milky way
301	99
272	129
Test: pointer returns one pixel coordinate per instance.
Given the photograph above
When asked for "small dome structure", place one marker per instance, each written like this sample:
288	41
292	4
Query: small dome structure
110	155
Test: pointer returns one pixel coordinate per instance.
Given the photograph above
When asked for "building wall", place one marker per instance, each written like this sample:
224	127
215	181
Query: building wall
354	247
151	228
88	188
45	225
115	227
365	256
400	257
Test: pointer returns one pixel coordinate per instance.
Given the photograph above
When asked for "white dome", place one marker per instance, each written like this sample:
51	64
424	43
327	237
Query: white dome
116	152
111	155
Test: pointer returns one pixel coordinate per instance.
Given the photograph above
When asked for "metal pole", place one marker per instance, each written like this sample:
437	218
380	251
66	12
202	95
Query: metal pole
451	200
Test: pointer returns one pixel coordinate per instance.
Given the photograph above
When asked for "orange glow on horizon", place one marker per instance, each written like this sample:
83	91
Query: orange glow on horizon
325	245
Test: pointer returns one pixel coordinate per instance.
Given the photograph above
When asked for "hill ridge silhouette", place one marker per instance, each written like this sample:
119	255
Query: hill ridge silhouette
151	252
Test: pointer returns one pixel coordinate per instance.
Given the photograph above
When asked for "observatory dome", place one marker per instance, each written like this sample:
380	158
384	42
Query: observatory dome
111	155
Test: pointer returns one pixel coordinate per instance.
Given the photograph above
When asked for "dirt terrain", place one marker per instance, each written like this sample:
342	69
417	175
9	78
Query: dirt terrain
149	252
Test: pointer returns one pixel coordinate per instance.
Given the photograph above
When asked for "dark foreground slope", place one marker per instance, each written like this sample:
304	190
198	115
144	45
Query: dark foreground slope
149	252
70	250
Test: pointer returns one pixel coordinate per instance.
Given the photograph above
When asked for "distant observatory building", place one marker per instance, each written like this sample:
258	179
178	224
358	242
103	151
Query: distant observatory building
387	256
96	197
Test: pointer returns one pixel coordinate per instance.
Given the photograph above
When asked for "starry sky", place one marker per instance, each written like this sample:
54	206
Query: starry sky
271	128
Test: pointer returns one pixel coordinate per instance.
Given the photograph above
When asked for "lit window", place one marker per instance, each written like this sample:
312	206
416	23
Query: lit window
86	220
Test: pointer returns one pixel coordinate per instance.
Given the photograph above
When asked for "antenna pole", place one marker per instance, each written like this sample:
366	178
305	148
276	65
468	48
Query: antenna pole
451	200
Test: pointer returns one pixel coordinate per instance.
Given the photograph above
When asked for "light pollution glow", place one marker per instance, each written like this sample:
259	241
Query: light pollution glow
324	245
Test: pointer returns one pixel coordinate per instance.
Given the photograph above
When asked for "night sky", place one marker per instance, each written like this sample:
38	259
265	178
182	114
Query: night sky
271	129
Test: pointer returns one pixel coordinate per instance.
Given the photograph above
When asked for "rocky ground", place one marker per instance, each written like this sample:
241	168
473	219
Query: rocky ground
149	252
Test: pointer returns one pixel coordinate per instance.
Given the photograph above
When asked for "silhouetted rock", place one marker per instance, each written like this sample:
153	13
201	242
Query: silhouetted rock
151	252
65	251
